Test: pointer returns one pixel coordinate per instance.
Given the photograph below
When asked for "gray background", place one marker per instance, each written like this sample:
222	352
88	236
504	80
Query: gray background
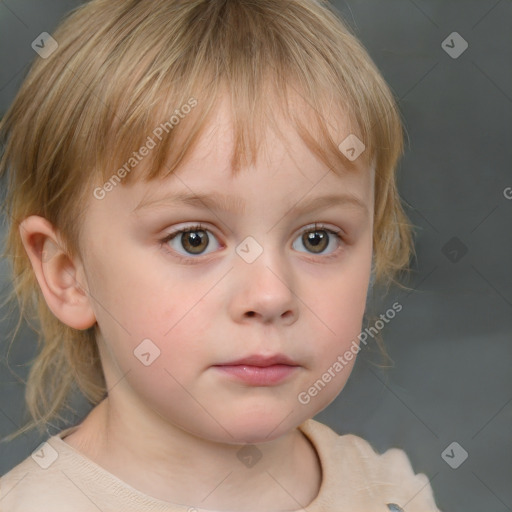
451	344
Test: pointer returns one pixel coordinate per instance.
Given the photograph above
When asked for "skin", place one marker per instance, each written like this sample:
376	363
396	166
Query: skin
173	429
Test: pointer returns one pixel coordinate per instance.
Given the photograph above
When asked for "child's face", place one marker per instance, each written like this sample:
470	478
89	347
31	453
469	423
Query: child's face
202	301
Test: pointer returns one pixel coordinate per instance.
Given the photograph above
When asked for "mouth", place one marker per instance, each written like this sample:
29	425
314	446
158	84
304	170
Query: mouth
258	375
258	370
262	361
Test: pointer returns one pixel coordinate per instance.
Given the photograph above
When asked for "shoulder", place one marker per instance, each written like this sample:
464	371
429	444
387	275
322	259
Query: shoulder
23	487
384	477
58	478
32	485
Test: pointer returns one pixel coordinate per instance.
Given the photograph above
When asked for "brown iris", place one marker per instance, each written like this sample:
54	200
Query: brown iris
318	239
195	241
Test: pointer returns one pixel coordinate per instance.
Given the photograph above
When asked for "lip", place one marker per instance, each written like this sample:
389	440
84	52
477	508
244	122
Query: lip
258	375
262	361
259	370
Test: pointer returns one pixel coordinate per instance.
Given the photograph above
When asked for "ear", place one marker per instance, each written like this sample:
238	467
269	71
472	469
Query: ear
62	279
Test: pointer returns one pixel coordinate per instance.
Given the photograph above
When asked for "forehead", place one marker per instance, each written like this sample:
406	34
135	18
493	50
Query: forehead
286	171
283	159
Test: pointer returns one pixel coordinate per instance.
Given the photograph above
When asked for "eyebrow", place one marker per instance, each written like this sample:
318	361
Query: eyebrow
235	205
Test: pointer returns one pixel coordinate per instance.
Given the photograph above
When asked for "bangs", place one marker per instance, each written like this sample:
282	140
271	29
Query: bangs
154	146
164	88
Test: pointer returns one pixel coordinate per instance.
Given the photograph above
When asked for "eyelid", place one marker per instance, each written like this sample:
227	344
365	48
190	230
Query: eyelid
190	260
198	226
334	231
320	226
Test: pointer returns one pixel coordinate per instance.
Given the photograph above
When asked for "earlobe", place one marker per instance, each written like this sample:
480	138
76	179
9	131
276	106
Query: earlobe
59	276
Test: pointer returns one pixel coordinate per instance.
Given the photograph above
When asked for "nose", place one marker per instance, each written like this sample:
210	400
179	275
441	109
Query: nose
264	290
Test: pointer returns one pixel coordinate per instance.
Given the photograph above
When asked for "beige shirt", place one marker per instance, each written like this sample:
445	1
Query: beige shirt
355	478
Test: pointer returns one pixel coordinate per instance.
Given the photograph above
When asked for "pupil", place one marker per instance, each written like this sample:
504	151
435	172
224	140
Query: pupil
194	239
315	238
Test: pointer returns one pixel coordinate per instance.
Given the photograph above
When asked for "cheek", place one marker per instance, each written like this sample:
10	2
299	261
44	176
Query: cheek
128	290
339	306
156	331
341	296
336	324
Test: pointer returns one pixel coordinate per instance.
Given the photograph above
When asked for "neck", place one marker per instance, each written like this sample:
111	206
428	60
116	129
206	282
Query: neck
171	464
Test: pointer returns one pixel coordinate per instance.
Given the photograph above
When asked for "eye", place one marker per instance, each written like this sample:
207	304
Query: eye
317	239
193	239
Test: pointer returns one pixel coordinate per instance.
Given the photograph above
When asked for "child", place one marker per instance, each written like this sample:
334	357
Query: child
199	191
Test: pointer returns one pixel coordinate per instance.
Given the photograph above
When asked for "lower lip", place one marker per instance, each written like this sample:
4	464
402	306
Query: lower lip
259	375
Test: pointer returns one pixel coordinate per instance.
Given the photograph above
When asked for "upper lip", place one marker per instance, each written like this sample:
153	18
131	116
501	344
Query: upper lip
260	360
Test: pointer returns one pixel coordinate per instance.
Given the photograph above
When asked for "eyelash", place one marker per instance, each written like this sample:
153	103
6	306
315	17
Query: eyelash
199	227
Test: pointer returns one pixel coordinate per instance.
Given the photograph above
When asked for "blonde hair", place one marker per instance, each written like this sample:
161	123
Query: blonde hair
122	69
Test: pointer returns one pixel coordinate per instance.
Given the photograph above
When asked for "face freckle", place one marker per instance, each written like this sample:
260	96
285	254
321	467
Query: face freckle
258	289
